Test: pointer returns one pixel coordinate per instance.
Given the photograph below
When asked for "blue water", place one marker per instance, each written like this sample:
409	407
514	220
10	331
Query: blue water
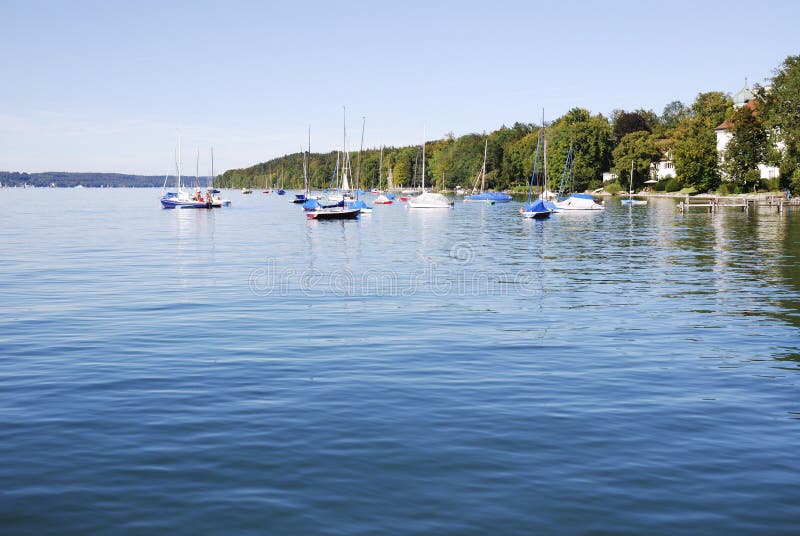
244	370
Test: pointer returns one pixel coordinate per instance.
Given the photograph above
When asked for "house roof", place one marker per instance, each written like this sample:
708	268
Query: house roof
725	125
743	96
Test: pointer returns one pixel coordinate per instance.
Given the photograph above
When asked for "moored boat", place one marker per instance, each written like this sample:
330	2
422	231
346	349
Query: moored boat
428	199
336	213
483	195
538	209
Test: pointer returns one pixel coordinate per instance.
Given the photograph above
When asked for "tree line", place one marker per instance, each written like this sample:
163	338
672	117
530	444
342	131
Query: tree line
766	132
63	179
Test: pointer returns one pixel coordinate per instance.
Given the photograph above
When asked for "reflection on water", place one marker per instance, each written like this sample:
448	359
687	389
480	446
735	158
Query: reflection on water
412	371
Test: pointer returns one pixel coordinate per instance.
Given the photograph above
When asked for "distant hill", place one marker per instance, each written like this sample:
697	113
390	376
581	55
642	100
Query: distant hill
90	180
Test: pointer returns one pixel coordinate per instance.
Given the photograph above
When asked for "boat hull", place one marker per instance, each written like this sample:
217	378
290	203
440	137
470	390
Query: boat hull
174	203
536	215
326	214
536	210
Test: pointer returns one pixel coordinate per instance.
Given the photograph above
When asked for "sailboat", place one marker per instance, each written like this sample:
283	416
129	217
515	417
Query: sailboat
631	200
536	208
337	210
483	195
266	184
359	203
381	199
428	199
574	201
218	200
280	190
181	198
301	198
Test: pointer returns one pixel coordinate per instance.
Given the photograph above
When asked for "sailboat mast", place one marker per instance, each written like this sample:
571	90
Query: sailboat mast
178	163
197	169
308	161
380	169
212	167
544	144
358	163
544	159
423	160
630	183
344	146
483	169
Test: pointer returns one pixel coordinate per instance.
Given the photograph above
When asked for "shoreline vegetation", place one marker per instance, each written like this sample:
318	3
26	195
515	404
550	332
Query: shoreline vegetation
764	132
767	131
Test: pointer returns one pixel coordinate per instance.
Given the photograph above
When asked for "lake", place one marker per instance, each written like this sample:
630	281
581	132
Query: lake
466	371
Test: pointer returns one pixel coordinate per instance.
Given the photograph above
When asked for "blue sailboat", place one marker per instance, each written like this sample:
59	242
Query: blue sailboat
360	204
630	200
484	196
537	208
304	196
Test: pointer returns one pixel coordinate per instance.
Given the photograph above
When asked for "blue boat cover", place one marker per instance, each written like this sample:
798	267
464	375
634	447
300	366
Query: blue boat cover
549	205
489	196
359	204
583	196
536	206
311	204
390	196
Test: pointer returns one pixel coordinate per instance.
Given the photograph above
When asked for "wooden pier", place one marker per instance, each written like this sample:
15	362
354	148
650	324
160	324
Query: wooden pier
712	204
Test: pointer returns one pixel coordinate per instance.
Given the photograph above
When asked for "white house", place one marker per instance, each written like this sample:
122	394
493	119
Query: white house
724	132
608	176
663	169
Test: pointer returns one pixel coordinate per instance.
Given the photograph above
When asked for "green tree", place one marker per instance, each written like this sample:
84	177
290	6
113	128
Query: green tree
694	150
747	148
627	122
403	166
782	113
639	148
592	144
500	142
674	113
518	159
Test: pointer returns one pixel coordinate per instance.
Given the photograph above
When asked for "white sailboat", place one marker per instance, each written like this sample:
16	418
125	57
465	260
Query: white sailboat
181	198
574	201
428	199
213	194
381	199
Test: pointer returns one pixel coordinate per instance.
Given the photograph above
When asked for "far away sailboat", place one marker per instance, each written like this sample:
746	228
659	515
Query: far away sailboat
428	199
631	200
483	195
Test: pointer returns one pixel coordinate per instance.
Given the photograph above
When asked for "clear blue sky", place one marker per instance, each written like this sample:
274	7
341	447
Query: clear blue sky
106	85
